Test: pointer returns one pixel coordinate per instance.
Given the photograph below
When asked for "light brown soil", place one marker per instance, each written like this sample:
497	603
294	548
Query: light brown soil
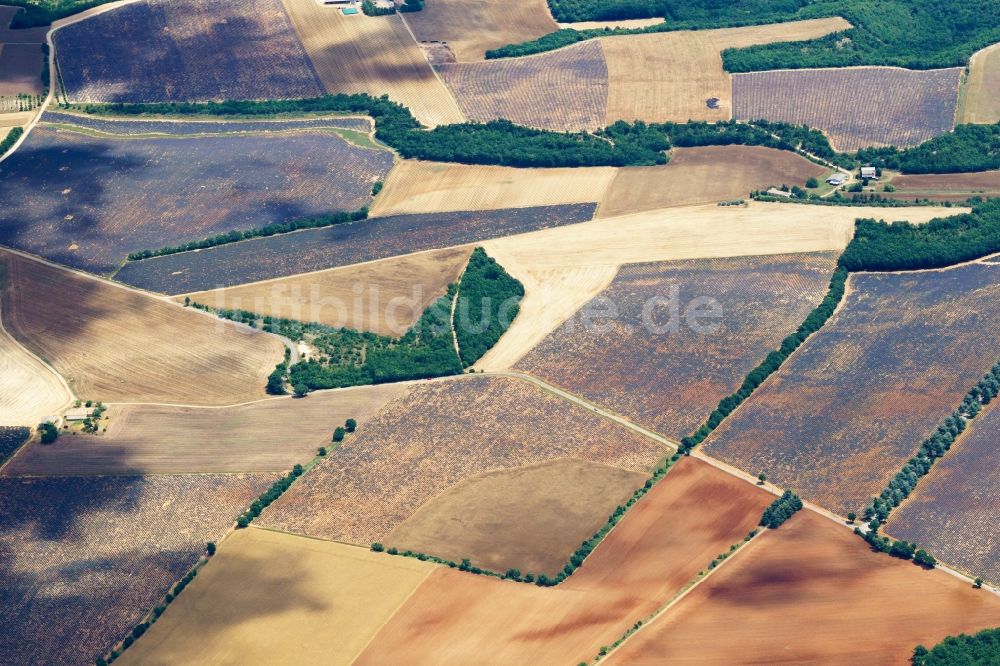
812	592
29	391
530	518
119	345
274	598
695	513
385	297
470	27
670	76
981	103
372	54
272	435
705	175
434	187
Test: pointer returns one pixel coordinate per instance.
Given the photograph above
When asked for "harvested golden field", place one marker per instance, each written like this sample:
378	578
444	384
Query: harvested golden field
979	101
471	27
29	391
629	24
438	435
955	511
704	175
118	345
434	187
642	349
812	592
271	435
670	76
385	297
694	514
275	598
372	54
562	269
946	186
852	405
484	516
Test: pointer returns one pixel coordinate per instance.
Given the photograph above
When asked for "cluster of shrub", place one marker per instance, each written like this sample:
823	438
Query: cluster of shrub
371	9
772	361
326	220
979	649
487	301
339	433
964	149
13	136
780	510
878	246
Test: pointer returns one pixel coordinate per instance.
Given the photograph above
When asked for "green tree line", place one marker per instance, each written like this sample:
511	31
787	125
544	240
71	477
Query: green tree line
981	649
780	510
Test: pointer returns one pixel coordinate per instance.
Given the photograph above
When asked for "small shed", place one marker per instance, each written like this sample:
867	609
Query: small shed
78	413
869	173
837	179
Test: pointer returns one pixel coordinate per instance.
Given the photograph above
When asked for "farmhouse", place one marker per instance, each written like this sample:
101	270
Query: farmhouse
837	179
869	173
78	414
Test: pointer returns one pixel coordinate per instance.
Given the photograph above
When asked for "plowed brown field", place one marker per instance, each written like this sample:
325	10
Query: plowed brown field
946	186
372	54
118	345
812	592
695	513
385	297
272	435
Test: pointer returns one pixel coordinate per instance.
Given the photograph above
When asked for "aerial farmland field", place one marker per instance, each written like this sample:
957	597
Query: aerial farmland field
955	511
371	54
115	344
341	245
946	186
811	592
29	391
695	513
980	101
418	448
857	106
85	558
853	404
316	600
470	28
668	373
165	50
386	296
266	436
565	89
88	199
20	69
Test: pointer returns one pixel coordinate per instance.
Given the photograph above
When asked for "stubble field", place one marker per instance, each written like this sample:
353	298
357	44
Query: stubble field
981	103
471	27
268	436
86	558
856	107
88	201
566	89
385	297
418	447
812	592
29	391
371	54
310	601
854	402
117	345
637	349
694	514
341	245
162	50
955	511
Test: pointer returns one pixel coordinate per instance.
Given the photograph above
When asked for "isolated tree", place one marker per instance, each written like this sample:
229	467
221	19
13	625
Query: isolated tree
301	390
978	584
851	517
210	548
812	183
338	434
351	425
49	432
761	479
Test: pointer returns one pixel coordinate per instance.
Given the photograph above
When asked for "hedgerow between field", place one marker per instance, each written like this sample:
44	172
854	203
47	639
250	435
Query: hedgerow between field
981	649
930	451
487	301
277	489
12	137
966	149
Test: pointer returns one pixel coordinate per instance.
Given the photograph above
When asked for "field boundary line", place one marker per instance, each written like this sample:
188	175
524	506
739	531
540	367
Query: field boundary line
430	570
437	76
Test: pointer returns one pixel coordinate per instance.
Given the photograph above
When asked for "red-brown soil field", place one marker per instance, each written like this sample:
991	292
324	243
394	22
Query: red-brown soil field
856	106
955	511
694	514
671	377
566	89
846	411
272	435
484	515
385	297
471	27
118	345
811	592
443	433
20	69
163	50
946	186
84	559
